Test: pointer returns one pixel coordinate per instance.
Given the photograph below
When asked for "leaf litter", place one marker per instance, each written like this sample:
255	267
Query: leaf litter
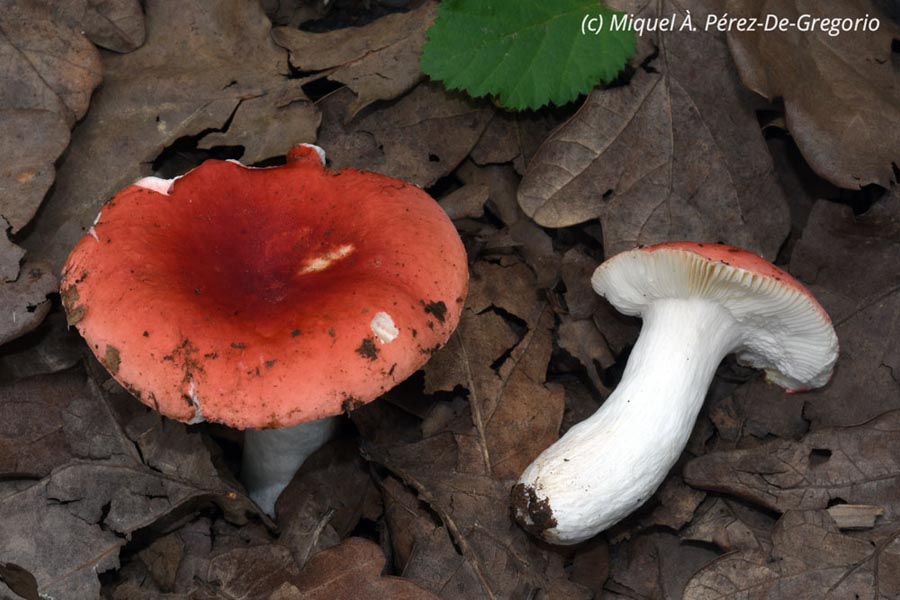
785	496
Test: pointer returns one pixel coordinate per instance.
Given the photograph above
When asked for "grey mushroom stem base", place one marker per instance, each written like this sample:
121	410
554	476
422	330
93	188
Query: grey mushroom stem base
605	467
273	456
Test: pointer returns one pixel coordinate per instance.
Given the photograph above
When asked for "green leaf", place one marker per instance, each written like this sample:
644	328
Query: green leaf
525	53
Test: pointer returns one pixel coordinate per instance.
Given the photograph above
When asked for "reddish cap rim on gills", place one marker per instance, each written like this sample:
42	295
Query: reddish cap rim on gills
741	259
266	297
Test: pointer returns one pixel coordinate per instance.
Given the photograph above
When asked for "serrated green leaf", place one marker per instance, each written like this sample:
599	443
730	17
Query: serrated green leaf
524	53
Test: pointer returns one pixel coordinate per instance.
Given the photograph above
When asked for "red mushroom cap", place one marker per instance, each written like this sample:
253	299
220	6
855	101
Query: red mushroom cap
266	297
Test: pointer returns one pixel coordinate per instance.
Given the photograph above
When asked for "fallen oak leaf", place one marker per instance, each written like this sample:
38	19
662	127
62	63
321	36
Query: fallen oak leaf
675	154
841	93
499	560
406	138
32	141
70	526
350	571
730	526
856	465
25	302
515	412
46	65
810	558
865	307
379	61
117	25
654	565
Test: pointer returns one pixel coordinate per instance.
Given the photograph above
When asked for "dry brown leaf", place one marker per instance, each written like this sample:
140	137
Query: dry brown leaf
576	270
675	154
502	181
496	558
850	264
51	347
405	139
207	560
33	438
810	559
201	63
514	137
677	504
379	61
32	141
515	413
107	481
856	465
467	201
730	526
590	565
841	92
326	500
114	24
10	257
654	565
24	302
45	65
352	571
582	340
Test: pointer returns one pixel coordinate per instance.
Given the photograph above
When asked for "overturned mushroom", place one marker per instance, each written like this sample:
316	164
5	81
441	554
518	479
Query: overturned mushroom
699	302
266	299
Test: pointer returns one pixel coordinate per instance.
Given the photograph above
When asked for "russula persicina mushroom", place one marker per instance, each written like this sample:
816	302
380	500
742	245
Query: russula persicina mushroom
266	299
698	302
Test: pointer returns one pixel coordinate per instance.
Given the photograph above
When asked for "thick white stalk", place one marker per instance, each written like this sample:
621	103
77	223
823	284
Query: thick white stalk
605	467
273	456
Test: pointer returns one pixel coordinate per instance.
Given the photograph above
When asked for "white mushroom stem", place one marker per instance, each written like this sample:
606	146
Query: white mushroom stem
273	456
605	467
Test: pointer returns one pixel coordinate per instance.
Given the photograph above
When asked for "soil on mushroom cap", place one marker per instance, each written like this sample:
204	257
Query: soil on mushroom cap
438	309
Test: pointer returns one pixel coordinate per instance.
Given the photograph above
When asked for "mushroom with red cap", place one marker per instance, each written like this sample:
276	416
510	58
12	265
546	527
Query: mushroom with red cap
699	302
266	299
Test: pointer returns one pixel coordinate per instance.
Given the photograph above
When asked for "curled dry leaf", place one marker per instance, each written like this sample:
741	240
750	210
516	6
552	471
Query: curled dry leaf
856	465
224	64
393	139
810	558
675	154
379	61
841	93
